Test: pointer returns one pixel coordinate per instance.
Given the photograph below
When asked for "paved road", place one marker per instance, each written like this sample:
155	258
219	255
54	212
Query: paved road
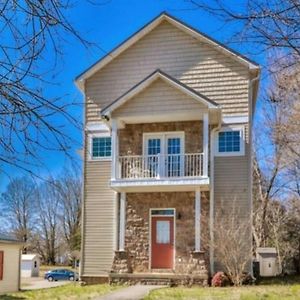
35	283
134	292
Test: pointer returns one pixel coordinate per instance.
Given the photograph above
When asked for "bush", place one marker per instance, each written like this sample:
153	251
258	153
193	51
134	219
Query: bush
220	279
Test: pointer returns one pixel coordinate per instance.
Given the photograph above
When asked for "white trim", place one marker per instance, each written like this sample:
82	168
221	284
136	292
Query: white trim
90	146
96	126
141	33
146	83
163	135
122	221
116	221
114	148
197	220
241	129
150	234
205	143
235	119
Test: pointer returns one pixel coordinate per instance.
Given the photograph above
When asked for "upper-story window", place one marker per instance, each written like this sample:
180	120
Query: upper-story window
100	146
230	141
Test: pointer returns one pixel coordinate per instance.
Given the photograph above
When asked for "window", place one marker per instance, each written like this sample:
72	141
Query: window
101	147
163	232
230	141
162	212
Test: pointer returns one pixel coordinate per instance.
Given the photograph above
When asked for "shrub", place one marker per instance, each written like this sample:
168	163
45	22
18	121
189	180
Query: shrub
220	279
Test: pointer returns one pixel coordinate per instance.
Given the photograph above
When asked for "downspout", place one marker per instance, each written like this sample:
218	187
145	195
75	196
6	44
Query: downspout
211	196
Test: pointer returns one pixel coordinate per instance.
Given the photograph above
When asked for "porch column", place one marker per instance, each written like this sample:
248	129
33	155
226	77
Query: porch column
122	221
197	219
114	149
205	143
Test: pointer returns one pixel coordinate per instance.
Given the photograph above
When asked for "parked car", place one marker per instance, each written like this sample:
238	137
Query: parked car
61	274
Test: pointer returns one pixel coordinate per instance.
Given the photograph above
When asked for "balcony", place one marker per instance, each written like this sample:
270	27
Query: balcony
161	166
160	172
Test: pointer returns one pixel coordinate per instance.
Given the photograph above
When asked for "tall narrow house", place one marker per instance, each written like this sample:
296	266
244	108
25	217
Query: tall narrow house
168	120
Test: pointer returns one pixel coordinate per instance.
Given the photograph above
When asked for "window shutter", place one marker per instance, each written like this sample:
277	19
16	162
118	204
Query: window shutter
1	264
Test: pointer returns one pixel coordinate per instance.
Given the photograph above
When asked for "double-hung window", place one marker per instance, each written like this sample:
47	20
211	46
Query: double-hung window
230	141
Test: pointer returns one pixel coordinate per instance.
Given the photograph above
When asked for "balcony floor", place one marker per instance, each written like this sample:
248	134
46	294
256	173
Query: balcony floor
160	185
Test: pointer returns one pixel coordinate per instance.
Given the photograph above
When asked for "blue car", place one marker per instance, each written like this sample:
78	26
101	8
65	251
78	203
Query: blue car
61	274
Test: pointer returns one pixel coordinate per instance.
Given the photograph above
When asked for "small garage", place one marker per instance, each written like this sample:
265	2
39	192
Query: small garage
268	261
30	266
10	261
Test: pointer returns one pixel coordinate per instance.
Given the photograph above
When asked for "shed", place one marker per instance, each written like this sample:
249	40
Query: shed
268	261
10	261
30	266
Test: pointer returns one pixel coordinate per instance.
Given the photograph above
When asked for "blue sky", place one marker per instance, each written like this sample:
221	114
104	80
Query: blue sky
107	25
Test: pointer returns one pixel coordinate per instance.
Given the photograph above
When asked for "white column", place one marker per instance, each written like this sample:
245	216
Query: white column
122	221
205	143
197	219
114	149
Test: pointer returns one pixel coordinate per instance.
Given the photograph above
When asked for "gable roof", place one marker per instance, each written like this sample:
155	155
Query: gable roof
8	238
148	81
29	256
79	80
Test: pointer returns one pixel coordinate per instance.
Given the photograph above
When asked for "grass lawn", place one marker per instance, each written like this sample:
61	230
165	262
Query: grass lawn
267	290
66	292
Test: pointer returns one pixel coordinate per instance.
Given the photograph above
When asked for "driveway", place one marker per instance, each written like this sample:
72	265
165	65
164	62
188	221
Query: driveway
35	283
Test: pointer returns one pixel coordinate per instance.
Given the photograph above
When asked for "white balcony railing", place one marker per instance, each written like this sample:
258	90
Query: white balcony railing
160	166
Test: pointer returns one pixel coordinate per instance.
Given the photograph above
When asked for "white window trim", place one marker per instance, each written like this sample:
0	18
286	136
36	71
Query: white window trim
240	128
162	135
90	146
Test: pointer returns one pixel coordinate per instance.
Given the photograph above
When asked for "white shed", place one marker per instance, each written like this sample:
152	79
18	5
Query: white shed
10	259
268	262
30	266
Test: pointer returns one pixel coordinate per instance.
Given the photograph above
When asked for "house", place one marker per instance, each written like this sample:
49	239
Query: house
10	261
168	121
30	265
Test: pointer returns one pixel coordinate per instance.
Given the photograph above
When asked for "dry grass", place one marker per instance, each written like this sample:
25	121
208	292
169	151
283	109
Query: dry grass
277	289
66	292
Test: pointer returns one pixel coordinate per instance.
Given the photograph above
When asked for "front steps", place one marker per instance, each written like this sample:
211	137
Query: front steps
167	279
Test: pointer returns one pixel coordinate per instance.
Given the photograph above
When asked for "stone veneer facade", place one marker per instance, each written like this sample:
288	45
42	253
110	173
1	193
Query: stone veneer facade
135	258
131	137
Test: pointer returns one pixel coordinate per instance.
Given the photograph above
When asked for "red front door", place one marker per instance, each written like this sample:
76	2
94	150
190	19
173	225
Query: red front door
162	242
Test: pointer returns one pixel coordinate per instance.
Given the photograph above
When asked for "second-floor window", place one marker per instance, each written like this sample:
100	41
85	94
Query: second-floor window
101	147
230	141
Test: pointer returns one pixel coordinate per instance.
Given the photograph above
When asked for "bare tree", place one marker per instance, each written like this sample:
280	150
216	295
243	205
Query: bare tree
49	212
31	121
232	237
69	190
267	24
18	205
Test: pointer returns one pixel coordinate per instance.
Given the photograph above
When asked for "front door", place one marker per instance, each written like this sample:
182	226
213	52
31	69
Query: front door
162	242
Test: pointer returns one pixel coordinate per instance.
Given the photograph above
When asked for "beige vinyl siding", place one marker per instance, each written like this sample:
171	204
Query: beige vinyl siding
10	282
158	98
99	219
232	187
195	63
